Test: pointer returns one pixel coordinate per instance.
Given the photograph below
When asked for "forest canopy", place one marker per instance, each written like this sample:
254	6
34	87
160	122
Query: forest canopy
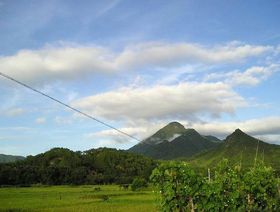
62	166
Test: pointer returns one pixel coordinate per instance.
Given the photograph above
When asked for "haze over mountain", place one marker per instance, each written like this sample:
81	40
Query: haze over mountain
9	158
174	141
240	147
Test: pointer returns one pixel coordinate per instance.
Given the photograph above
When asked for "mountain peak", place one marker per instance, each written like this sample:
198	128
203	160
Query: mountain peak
167	133
239	136
175	125
239	148
238	133
173	141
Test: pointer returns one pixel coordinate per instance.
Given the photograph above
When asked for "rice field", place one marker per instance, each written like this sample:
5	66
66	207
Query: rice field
76	198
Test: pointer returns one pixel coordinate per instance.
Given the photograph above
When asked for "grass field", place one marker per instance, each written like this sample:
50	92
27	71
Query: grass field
76	198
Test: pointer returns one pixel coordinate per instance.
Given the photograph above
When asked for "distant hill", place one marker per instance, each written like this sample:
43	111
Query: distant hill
174	141
240	148
213	138
9	158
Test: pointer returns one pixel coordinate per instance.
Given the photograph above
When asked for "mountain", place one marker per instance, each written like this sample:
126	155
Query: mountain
167	133
9	158
173	141
240	147
213	138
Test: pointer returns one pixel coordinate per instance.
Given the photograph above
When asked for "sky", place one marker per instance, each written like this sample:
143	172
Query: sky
137	65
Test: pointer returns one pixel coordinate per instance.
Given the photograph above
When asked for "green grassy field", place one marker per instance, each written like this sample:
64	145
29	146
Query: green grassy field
76	198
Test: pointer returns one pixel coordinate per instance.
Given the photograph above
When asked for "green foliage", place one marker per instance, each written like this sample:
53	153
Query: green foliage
262	189
178	185
223	191
138	183
76	198
230	189
62	166
240	148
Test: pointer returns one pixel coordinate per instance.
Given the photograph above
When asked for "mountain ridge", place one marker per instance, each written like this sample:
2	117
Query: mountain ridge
240	148
10	158
173	141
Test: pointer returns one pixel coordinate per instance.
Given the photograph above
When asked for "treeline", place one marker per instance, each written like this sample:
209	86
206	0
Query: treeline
9	158
62	166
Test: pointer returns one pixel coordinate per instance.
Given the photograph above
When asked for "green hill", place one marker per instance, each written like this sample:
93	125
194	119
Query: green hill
63	166
173	141
213	138
9	158
240	148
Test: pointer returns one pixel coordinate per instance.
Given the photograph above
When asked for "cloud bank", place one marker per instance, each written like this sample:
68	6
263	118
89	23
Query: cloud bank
251	76
184	100
72	61
266	129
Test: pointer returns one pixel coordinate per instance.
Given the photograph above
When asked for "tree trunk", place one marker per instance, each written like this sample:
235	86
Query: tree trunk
191	204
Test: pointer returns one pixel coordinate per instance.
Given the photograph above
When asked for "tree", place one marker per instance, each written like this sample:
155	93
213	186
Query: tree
178	186
138	183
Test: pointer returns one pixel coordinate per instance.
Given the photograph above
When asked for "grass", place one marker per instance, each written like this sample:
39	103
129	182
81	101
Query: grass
76	198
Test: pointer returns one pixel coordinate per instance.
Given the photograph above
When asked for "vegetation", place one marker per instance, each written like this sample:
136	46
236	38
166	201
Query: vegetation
9	158
213	138
76	198
230	189
62	166
240	149
138	183
242	183
174	141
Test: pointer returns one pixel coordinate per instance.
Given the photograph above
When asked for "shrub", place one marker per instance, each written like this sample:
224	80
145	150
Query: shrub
178	186
182	189
138	183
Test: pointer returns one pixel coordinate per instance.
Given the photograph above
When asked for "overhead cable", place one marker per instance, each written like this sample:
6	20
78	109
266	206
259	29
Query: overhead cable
68	106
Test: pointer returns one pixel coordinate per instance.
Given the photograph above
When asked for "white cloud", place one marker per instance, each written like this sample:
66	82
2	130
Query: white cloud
139	132
111	137
270	138
251	76
162	101
49	63
72	61
266	129
168	55
40	120
259	127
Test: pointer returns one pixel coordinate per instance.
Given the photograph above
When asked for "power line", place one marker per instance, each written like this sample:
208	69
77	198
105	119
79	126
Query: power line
68	106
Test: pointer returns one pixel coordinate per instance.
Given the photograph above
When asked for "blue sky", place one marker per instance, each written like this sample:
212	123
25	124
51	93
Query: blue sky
212	65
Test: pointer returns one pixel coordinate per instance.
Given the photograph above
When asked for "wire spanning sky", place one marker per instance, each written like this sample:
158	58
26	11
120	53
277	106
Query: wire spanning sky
211	65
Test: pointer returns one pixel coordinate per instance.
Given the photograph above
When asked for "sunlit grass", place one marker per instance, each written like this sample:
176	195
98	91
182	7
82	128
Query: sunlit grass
76	198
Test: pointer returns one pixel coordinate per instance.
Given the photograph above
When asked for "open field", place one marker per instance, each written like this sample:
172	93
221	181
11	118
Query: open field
76	198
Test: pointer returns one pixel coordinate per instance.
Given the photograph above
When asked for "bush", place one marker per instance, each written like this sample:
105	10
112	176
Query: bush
178	185
261	189
182	189
138	183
